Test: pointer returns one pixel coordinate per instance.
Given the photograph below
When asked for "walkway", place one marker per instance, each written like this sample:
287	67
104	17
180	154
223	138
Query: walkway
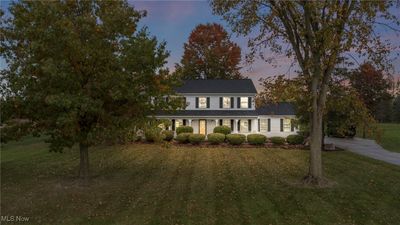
365	147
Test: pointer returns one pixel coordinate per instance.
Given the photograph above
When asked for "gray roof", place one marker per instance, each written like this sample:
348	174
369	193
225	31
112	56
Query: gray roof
217	86
209	113
281	108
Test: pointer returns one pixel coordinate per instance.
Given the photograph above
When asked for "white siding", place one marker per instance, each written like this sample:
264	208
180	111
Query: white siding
214	101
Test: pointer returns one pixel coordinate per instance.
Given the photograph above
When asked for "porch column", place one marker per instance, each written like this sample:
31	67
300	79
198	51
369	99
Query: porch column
254	126
235	128
190	122
216	122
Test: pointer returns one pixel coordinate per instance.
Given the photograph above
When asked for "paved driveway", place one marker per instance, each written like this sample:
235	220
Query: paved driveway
366	147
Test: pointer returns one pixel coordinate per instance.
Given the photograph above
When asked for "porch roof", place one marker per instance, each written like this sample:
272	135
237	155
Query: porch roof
201	113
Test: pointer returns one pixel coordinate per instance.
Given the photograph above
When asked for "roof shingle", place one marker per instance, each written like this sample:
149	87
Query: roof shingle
217	86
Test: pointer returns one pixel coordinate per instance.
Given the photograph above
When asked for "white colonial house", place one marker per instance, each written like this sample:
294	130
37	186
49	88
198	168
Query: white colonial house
211	103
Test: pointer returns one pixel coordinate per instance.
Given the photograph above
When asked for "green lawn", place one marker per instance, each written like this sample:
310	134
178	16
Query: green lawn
390	138
148	184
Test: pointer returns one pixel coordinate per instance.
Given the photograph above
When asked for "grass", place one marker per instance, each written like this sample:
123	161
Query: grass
149	184
390	138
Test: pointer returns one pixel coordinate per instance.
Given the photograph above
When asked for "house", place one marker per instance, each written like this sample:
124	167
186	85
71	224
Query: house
210	103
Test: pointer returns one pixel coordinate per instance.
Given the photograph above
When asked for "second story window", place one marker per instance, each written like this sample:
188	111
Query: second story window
202	102
244	102
226	102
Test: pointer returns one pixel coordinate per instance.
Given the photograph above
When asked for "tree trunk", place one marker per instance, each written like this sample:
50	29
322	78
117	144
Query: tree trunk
84	162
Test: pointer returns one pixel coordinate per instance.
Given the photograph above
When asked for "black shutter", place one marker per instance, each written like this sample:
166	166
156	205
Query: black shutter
232	102
184	102
281	125
173	125
238	102
291	125
269	125
220	122
259	126
232	124
166	99
238	125
208	102
249	102
184	122
220	102
249	125
197	102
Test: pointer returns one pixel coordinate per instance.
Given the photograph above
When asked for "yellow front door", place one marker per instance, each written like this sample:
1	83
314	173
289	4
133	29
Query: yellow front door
202	127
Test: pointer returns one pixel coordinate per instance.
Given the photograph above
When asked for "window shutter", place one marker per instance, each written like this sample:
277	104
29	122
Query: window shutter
232	102
220	122
238	125
249	102
281	125
173	125
184	122
238	102
259	126
166	99
220	102
184	102
291	125
197	102
208	102
232	125
269	125
249	125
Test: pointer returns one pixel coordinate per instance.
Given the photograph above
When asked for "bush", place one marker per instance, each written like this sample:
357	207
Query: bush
222	130
168	135
196	138
216	138
153	134
183	137
236	139
277	140
256	139
184	129
295	139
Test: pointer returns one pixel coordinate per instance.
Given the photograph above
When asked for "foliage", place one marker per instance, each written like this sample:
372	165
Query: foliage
277	140
153	134
168	135
256	139
183	137
82	71
216	138
396	109
196	138
184	129
236	139
295	139
222	130
210	54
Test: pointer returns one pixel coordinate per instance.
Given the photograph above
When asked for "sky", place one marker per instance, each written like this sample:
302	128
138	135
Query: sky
172	21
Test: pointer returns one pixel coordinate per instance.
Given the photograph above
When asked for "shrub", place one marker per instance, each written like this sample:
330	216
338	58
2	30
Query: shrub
153	134
183	137
196	138
236	139
295	139
222	130
168	135
277	140
256	139
216	138
184	129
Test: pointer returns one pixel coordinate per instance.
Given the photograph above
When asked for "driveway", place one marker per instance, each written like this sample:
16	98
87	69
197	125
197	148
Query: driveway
367	148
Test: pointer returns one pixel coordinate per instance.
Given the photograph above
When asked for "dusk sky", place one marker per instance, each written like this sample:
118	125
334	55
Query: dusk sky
172	21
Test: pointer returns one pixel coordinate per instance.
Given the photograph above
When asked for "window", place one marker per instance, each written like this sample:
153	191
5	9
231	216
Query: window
244	102
263	125
287	125
226	122
244	126
226	102
202	102
178	123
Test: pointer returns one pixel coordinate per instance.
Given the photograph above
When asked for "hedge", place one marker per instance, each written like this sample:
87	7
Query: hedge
153	134
295	139
236	139
183	137
277	140
216	138
184	129
222	130
168	135
256	139
196	138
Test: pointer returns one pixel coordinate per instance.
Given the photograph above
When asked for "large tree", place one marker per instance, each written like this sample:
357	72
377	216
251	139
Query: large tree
210	54
82	71
316	34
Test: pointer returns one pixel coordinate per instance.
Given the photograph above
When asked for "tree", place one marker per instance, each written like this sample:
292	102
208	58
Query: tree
316	34
396	109
82	71
372	87
210	54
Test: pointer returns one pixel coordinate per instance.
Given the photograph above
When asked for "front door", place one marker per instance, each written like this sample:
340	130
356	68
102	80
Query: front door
202	127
